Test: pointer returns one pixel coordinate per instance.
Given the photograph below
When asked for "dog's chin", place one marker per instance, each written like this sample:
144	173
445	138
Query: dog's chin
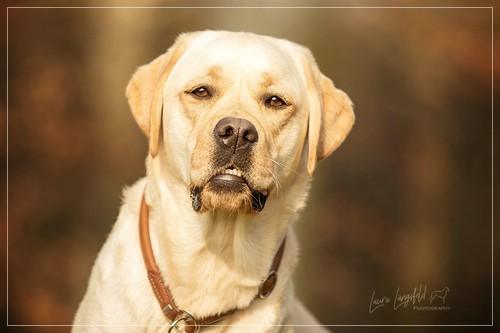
228	192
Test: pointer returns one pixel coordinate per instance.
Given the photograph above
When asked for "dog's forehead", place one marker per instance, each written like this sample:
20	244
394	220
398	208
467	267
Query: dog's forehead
241	52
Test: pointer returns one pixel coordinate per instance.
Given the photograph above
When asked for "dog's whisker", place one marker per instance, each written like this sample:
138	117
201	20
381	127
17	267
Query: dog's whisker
284	167
276	180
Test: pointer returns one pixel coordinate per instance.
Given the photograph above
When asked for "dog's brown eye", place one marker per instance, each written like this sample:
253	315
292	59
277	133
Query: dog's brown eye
275	102
201	92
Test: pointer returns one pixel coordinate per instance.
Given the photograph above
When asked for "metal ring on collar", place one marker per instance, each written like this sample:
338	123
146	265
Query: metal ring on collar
189	320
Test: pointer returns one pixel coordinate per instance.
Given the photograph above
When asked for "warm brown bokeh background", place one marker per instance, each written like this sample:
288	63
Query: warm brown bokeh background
406	201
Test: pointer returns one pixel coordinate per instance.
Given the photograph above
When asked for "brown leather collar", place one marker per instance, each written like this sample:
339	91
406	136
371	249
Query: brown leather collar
183	320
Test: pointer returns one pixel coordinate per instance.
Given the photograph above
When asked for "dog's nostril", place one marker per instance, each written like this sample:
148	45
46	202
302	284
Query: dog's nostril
229	131
251	135
235	132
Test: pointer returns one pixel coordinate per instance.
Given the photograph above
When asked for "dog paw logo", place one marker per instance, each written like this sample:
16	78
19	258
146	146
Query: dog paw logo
440	294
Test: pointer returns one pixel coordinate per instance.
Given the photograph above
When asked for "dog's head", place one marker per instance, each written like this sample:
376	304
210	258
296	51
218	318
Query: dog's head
237	116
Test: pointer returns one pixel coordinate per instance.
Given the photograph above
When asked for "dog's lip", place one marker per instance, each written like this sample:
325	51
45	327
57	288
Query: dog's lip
232	178
233	174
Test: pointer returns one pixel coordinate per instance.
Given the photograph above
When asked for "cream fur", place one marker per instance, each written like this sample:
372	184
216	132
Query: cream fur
215	259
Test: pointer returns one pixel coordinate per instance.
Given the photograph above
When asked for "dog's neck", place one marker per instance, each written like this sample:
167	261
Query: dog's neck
214	252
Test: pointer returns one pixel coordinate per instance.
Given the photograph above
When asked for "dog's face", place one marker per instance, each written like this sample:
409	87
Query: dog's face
237	116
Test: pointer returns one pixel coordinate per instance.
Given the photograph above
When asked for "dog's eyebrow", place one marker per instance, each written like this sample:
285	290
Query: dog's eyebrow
214	72
270	81
275	85
267	79
208	76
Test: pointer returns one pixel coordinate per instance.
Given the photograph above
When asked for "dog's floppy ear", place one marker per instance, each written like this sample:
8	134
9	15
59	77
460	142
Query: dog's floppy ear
331	115
145	92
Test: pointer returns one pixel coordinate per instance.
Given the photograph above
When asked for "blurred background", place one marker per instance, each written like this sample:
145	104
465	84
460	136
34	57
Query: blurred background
405	204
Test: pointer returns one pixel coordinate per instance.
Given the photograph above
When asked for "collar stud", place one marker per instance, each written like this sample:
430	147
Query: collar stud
267	286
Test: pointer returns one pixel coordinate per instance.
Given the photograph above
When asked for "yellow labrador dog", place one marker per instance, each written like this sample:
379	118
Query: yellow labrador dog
236	124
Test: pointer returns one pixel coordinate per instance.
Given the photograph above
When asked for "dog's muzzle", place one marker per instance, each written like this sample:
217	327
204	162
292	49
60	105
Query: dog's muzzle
235	140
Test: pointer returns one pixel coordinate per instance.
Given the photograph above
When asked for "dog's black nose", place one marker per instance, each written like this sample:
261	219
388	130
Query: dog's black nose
236	133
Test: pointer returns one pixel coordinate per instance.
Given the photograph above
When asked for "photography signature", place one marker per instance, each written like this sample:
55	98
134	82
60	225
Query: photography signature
419	299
